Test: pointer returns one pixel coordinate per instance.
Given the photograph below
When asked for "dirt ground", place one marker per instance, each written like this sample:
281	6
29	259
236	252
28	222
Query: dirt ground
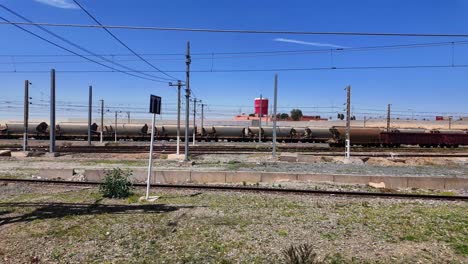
75	225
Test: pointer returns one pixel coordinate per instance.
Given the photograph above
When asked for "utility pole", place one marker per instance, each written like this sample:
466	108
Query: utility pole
52	111
115	129
128	116
348	123
365	121
179	85
102	120
194	119
90	110
388	118
274	115
26	115
202	116
187	100
260	121
450	122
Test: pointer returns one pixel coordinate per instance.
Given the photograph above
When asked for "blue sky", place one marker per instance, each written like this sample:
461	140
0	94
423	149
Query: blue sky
436	90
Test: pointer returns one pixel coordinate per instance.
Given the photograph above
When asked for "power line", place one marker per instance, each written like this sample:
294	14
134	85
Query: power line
243	31
265	70
122	43
75	45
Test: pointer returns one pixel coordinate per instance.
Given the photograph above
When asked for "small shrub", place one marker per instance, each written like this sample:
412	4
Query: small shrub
301	254
117	184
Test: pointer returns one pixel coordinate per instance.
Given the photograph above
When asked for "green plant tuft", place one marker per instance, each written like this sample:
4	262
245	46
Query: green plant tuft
117	184
301	254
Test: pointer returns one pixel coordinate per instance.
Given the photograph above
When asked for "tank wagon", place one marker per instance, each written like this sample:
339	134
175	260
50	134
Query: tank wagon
366	137
169	132
69	131
16	130
224	133
137	132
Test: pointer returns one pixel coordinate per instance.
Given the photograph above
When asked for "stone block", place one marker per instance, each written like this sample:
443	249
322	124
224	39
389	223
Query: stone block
273	177
435	183
243	176
456	183
208	176
5	153
351	179
170	177
93	175
314	177
49	174
391	182
288	157
21	154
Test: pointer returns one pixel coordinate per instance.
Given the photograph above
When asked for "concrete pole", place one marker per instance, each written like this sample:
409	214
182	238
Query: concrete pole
187	101
388	117
128	116
348	123
260	121
102	120
274	115
90	111
202	116
52	111
450	122
115	129
26	115
194	119
179	84
150	162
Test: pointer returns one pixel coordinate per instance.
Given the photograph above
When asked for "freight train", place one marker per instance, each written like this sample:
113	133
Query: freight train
335	136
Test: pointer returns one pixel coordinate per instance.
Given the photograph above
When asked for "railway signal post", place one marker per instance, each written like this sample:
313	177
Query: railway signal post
90	111
179	85
187	100
52	112
260	121
274	116
102	120
26	115
155	108
348	123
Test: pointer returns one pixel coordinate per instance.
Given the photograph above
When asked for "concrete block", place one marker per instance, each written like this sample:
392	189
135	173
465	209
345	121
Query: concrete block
21	154
391	182
435	183
272	177
208	176
243	176
351	179
52	155
5	153
314	178
139	176
175	157
309	159
168	177
288	157
456	183
94	175
49	174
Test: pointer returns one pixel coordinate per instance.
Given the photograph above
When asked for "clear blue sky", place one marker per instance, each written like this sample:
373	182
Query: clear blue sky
421	90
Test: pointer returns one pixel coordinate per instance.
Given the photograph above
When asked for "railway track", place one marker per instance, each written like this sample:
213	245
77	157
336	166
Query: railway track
255	189
232	149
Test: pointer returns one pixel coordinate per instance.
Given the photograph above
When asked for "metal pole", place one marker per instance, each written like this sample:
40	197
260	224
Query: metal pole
202	108
388	117
90	110
450	122
274	115
26	115
348	123
179	84
115	129
194	118
52	111
150	163
102	120
260	121
128	116
187	101
364	121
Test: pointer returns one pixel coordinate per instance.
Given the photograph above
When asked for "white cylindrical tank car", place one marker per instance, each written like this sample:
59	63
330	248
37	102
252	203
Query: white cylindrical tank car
33	128
74	130
234	133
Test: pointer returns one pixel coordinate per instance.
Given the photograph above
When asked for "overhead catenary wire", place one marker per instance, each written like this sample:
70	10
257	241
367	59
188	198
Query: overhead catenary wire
152	78
244	31
122	43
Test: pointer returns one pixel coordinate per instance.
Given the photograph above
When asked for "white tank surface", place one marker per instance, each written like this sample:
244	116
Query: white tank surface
447	131
409	130
228	131
33	128
75	128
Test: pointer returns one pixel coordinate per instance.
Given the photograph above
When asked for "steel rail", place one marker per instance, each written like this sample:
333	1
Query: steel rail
254	189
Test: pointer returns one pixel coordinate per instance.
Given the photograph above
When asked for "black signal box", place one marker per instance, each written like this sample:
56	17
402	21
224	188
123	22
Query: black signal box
155	105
